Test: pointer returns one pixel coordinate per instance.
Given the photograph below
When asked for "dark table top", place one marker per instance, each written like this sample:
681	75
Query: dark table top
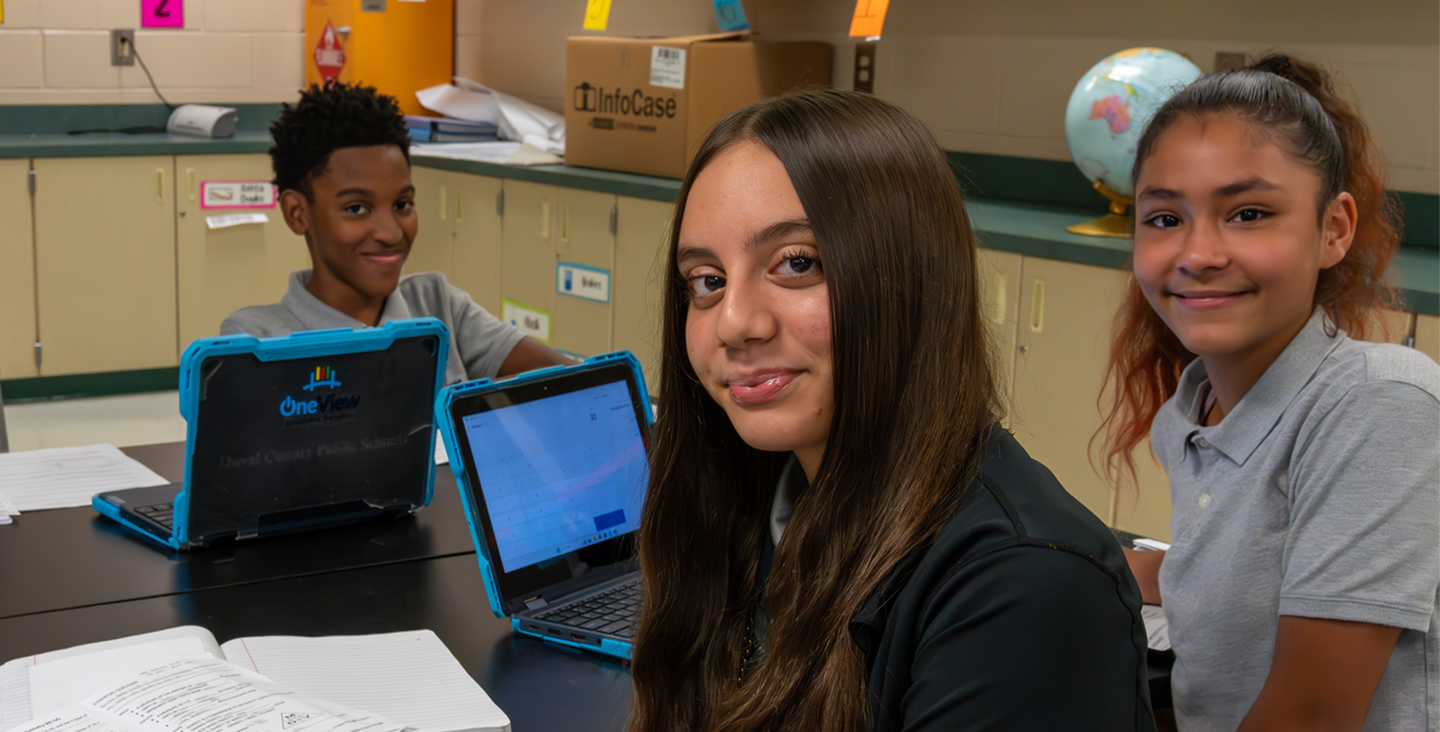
73	557
539	686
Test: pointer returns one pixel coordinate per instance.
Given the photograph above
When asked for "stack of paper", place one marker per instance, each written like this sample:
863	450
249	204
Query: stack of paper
409	678
64	477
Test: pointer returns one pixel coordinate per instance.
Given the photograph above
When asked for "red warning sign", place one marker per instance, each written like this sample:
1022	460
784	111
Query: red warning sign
329	56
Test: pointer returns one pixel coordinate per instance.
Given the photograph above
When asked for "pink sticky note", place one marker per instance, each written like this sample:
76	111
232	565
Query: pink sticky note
162	13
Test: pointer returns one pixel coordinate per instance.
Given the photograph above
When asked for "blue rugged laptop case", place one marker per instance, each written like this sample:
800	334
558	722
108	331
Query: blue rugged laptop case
446	425
330	343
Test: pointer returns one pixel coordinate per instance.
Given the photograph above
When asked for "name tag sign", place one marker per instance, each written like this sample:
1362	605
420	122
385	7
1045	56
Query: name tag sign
530	321
237	194
586	283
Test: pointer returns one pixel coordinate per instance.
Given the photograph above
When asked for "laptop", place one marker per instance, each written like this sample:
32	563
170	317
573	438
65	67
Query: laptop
552	469
314	429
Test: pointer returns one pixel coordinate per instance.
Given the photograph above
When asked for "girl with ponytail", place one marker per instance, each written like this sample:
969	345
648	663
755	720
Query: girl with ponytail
1301	585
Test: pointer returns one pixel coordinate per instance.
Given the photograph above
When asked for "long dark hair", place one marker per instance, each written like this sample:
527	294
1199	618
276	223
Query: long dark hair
1297	103
914	403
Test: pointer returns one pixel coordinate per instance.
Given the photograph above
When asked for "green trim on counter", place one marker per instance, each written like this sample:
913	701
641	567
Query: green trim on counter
567	176
72	386
111	144
58	119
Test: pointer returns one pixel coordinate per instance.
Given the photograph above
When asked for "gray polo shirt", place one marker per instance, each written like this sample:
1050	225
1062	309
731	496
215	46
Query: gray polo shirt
1318	496
479	342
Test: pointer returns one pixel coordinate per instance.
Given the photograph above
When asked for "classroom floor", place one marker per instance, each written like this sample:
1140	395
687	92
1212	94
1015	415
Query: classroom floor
132	419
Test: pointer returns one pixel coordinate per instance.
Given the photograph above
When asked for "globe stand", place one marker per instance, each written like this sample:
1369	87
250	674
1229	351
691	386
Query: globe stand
1114	224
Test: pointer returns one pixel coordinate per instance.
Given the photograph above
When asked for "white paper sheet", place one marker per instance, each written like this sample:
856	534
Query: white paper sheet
67	681
7	509
215	696
1156	627
440	457
63	477
409	677
498	152
513	117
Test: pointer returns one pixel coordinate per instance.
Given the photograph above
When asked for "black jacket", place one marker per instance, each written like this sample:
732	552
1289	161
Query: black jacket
1021	615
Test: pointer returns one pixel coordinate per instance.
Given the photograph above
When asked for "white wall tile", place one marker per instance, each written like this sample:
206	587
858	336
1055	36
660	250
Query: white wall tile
951	86
22	59
469	61
79	59
252	15
468	16
117	14
197	60
22	14
280	61
68	14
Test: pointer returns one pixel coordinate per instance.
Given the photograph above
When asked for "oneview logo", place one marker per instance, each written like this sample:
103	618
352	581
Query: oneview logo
321	376
588	98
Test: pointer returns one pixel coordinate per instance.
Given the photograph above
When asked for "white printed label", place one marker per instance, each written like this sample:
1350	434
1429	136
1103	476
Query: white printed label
667	67
237	194
228	220
583	282
531	322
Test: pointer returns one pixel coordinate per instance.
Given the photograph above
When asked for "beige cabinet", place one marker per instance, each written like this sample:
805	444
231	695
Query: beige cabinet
1063	341
585	264
642	232
1000	307
552	240
224	269
105	263
475	248
1427	335
435	233
17	272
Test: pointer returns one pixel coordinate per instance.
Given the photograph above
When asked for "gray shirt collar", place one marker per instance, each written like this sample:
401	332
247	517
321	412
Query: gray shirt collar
1245	427
316	315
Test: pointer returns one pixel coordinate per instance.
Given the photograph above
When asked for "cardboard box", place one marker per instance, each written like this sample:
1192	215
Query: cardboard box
642	105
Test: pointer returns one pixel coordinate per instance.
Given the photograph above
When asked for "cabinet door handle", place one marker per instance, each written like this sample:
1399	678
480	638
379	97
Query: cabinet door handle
564	223
459	205
190	182
444	199
997	303
544	219
1037	307
159	185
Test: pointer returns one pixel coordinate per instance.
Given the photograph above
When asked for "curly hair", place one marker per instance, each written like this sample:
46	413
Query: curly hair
326	119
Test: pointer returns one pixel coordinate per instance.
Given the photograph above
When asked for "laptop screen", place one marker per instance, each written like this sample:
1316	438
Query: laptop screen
299	439
556	470
559	473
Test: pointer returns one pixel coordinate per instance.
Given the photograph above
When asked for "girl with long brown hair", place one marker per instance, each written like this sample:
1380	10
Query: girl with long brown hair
1305	479
837	535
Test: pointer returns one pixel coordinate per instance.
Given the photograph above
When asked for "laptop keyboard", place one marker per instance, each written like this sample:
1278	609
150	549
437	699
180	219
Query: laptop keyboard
610	612
161	513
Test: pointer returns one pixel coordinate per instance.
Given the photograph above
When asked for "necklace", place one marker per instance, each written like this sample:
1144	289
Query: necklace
749	651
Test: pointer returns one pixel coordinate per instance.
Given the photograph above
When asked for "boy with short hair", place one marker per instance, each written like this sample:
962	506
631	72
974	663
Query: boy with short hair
342	166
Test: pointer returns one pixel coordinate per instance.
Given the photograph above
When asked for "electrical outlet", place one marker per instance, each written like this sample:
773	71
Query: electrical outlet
865	67
122	47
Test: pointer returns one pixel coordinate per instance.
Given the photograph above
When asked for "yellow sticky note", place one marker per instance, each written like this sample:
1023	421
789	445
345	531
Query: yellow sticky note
597	14
2	11
869	18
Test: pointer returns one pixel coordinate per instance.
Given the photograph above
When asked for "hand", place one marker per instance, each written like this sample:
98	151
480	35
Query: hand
1145	565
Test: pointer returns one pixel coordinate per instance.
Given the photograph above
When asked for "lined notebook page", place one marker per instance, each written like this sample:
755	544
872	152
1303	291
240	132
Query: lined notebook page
409	677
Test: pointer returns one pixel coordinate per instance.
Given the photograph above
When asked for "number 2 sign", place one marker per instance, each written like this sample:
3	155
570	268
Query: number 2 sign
162	13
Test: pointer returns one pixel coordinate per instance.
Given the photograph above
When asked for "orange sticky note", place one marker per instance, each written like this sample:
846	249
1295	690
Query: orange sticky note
869	18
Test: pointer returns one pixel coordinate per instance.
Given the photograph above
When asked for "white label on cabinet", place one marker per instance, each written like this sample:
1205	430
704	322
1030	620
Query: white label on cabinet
530	321
577	280
228	220
237	194
667	67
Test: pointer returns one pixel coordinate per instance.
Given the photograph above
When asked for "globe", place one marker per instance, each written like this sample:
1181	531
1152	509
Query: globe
1108	112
